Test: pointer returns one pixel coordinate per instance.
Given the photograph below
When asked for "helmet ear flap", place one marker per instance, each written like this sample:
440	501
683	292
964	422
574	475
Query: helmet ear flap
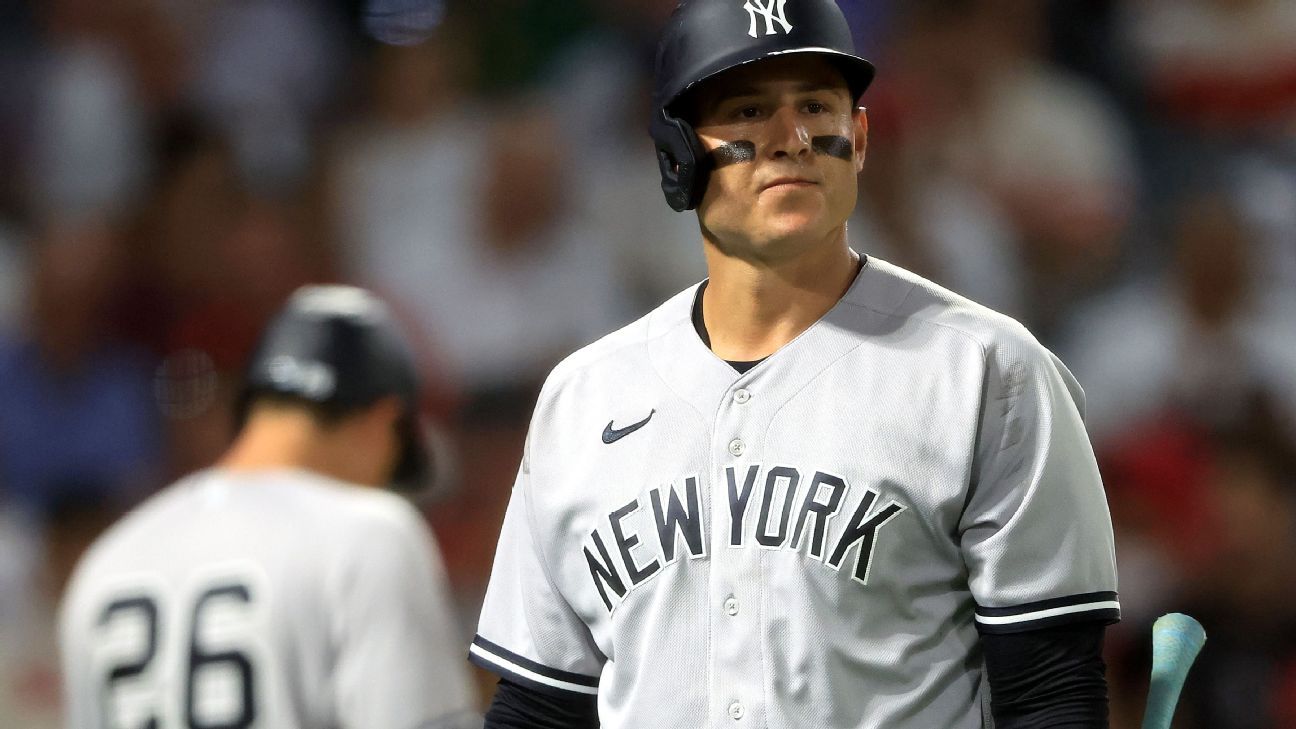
683	161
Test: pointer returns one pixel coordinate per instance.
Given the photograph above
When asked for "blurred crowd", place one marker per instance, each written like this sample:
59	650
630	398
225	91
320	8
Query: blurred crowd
1120	175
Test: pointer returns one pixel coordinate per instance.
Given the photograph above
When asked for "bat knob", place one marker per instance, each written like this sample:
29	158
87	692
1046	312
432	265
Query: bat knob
1176	641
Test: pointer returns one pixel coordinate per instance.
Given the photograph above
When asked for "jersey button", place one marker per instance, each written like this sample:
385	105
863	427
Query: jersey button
735	711
731	606
736	447
741	396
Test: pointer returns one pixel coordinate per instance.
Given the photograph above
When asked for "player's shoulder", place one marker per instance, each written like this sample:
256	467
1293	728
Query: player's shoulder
889	290
378	509
337	507
308	501
139	519
370	532
120	540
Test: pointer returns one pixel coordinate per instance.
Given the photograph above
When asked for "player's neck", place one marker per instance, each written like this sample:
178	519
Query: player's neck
752	308
286	441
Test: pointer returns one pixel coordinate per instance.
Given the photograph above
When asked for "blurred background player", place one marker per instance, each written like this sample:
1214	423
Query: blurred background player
281	587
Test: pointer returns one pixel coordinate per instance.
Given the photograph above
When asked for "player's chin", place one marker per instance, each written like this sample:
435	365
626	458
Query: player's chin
793	223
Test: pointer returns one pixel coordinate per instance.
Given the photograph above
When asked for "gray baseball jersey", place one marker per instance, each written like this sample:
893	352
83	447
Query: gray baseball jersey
277	599
814	543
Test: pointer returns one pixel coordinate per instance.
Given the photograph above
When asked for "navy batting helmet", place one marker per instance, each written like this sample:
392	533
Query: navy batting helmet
339	347
706	37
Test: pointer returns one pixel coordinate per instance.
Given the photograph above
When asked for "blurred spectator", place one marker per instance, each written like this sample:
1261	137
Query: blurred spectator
13	278
468	228
264	71
599	92
1200	337
1264	190
30	685
106	69
87	157
1080	38
516	40
469	225
78	407
212	261
870	20
1217	79
144	33
1240	586
397	173
1012	181
1191	390
21	80
536	281
1226	68
1155	477
920	205
264	254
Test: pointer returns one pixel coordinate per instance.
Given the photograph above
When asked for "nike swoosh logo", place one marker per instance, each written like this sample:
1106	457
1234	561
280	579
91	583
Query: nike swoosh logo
612	435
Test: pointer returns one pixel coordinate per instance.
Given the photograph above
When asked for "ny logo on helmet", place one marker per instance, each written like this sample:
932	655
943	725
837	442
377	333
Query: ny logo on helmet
772	11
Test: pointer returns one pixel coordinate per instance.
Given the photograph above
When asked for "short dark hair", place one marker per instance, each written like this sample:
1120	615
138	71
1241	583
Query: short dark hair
325	414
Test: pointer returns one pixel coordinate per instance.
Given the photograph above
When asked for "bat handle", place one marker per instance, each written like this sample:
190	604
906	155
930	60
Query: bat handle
1176	641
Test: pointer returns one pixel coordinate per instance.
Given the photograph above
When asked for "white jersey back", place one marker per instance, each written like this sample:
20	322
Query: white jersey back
277	599
814	543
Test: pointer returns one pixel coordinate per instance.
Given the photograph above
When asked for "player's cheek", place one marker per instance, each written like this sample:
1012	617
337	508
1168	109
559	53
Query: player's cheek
844	192
834	123
724	181
723	204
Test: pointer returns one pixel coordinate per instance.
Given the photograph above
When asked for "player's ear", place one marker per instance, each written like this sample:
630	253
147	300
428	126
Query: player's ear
859	125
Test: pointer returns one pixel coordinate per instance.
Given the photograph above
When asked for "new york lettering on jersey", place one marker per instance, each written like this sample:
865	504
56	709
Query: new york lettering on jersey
677	525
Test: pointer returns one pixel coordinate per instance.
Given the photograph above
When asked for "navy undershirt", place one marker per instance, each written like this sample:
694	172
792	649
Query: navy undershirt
700	327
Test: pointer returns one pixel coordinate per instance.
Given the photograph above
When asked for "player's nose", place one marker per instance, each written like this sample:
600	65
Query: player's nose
786	134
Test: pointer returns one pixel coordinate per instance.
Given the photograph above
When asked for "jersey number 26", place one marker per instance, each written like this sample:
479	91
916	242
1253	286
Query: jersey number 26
217	680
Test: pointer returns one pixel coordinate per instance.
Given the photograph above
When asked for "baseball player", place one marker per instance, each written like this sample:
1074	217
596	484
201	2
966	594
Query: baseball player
815	490
278	588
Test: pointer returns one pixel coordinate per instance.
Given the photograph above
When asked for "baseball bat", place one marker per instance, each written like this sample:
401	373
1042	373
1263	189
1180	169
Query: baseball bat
1176	641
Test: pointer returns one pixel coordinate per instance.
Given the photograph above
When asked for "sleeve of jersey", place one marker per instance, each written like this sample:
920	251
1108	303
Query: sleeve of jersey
527	631
1036	533
397	664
